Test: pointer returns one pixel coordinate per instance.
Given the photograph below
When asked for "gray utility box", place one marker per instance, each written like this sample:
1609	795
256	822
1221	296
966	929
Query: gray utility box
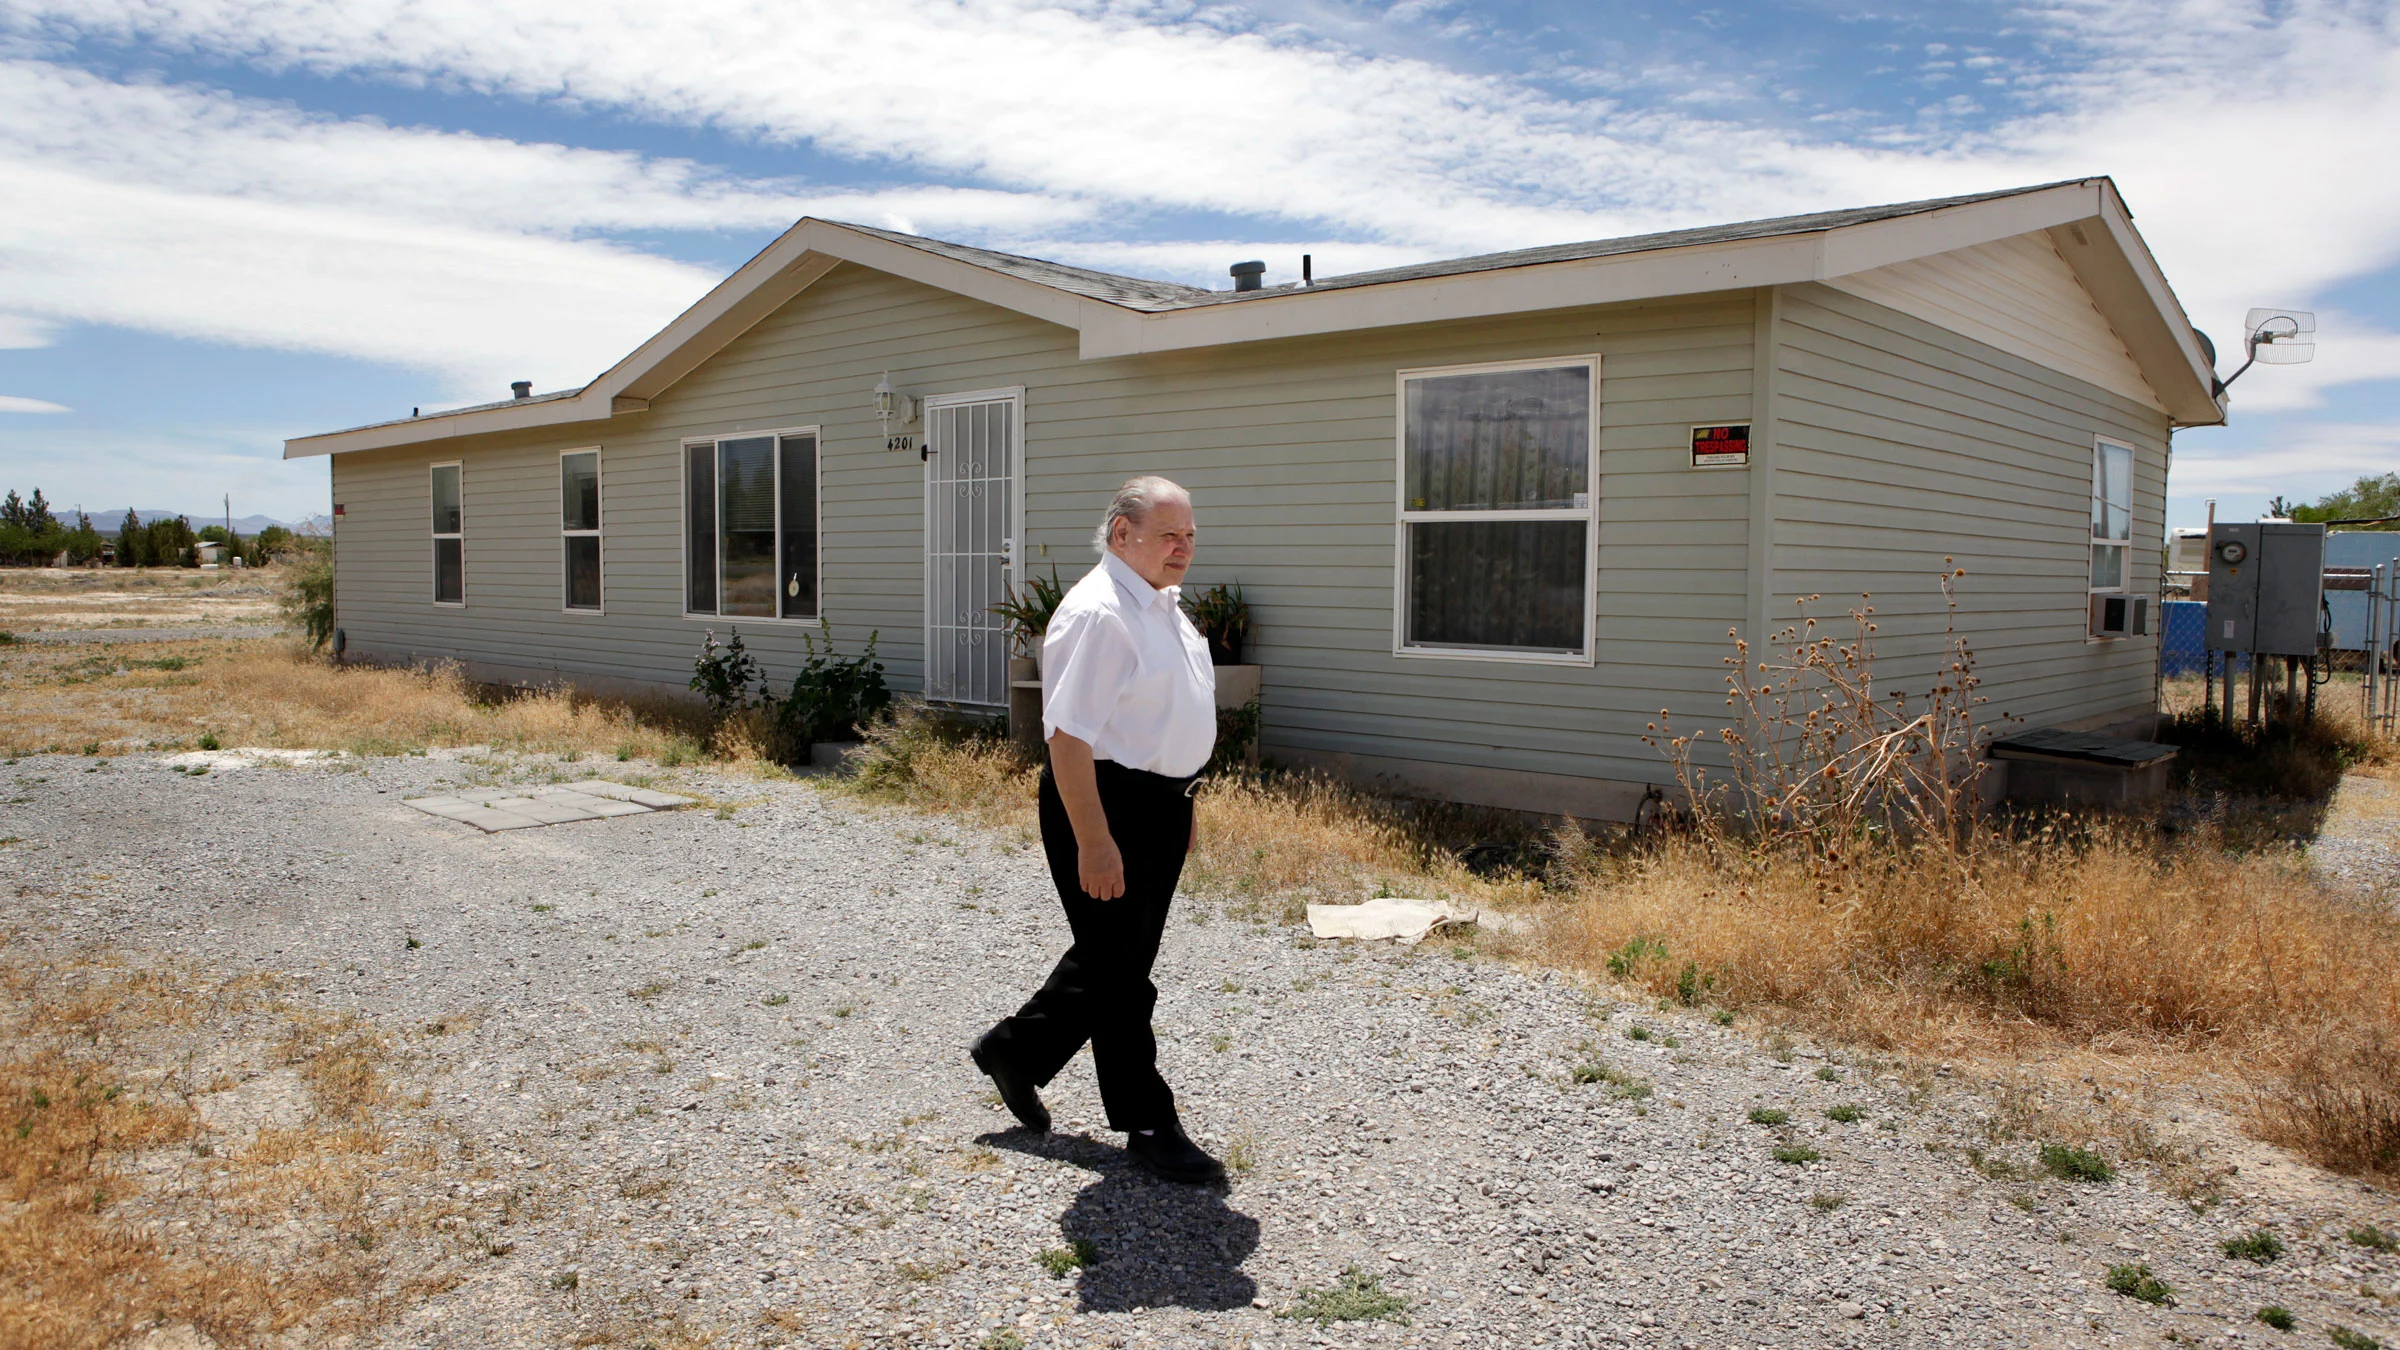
2266	588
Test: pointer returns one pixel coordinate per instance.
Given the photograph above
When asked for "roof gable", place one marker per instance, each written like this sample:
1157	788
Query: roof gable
2017	294
1121	316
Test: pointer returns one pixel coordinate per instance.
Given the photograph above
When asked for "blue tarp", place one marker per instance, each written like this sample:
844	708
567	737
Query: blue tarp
2182	624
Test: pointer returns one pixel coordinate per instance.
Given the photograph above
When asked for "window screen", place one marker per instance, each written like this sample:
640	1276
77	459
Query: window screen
579	527
700	528
449	537
1497	510
2112	513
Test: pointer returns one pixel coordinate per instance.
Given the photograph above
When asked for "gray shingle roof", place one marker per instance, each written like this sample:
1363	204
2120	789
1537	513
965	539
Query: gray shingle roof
1158	297
1132	292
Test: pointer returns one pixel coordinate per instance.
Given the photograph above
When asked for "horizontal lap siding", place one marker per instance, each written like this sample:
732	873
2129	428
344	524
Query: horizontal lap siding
1287	447
1902	444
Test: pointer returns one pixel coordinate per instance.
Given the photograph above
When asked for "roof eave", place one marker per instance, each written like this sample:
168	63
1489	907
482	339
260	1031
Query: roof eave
1694	269
796	260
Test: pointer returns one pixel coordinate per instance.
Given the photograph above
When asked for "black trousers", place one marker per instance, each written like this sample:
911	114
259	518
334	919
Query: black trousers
1100	990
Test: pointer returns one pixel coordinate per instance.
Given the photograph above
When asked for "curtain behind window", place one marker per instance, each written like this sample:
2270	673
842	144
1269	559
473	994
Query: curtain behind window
700	528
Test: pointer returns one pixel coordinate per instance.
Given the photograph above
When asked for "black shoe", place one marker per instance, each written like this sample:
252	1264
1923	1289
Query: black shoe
1174	1157
1016	1093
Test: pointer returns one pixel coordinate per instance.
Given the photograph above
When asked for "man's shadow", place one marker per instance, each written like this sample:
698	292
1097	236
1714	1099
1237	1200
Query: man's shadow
1154	1244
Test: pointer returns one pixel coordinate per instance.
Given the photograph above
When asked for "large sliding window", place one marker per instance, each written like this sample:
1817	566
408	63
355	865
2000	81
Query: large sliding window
449	537
579	528
750	525
1497	510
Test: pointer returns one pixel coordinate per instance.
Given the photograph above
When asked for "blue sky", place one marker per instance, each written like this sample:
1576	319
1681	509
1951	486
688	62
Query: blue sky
223	222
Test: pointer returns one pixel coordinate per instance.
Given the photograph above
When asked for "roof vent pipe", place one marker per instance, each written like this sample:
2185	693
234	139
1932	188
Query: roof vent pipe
1247	276
1308	269
521	388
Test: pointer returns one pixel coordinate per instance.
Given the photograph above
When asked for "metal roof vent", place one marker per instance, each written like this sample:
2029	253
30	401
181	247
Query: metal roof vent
1248	276
521	388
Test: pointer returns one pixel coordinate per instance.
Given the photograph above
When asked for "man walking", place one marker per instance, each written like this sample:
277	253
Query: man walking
1129	713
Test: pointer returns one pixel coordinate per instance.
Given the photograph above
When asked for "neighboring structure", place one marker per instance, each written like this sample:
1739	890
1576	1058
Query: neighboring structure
1492	515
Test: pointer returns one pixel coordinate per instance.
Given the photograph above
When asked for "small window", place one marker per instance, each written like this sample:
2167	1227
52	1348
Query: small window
2112	513
750	526
1497	510
579	527
449	537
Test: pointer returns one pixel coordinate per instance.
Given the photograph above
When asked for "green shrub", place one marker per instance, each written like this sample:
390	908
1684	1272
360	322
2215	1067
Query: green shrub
1767	1115
1847	1115
1622	961
2260	1247
307	597
2351	1340
832	696
2368	1235
1077	1254
1357	1296
1796	1154
2076	1164
2278	1317
2137	1282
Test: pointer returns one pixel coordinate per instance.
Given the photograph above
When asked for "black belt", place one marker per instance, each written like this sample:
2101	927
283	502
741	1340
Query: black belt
1142	782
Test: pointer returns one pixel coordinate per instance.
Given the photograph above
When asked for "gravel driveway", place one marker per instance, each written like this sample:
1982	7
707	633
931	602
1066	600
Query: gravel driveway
716	1055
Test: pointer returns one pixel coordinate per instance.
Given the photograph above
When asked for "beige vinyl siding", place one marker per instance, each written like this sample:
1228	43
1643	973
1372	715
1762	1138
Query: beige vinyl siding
1901	444
2019	295
1287	446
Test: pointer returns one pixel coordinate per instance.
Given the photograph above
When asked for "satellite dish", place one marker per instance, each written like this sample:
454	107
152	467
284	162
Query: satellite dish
2280	337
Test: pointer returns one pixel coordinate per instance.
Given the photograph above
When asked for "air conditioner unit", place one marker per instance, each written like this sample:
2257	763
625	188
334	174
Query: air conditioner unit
2120	616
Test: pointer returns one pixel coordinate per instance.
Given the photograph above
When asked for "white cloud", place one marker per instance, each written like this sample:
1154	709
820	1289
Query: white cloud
20	331
194	213
10	403
2313	460
2238	132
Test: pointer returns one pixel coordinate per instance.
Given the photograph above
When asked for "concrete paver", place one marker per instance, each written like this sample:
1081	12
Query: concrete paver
493	809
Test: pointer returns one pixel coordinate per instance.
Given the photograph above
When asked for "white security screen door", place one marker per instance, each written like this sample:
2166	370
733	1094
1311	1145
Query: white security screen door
970	540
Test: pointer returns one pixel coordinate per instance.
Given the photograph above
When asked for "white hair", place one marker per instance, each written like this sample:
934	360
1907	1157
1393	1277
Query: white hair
1134	501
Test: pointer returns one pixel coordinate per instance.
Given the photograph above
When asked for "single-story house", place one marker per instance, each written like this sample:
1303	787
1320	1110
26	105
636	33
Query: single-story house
1491	514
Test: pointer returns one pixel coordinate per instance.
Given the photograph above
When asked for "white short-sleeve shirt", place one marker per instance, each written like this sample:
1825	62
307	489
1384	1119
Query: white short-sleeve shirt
1124	671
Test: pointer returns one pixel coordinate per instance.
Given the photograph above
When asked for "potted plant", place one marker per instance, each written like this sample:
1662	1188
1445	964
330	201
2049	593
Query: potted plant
1029	614
1223	618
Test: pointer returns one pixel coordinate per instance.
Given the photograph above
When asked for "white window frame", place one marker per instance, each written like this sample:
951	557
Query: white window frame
433	547
2100	446
1589	515
683	522
2124	587
565	576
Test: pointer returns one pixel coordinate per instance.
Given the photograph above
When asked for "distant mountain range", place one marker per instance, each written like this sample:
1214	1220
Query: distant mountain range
108	522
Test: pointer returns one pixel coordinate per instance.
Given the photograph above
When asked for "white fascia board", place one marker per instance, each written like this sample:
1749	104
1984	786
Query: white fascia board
2155	327
446	426
1471	295
1774	260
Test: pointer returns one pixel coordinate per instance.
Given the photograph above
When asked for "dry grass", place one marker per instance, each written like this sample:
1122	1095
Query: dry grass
2121	939
128	1210
36	599
64	699
1269	844
2107	935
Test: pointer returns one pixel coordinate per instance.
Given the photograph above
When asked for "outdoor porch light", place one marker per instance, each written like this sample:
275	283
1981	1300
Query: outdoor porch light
891	405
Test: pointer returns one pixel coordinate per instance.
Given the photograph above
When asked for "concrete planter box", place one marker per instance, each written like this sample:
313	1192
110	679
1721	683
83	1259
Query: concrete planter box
841	755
